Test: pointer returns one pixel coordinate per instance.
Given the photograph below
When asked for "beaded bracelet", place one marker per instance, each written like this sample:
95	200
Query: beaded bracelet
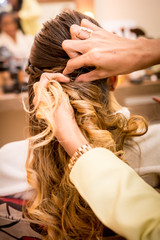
80	151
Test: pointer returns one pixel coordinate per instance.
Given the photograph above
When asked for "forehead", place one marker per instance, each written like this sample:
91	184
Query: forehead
7	18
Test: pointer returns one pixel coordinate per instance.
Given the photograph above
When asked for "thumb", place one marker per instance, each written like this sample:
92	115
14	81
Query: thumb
91	76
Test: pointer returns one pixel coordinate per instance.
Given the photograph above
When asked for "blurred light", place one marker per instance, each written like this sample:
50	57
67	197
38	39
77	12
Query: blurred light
86	7
3	2
120	78
90	14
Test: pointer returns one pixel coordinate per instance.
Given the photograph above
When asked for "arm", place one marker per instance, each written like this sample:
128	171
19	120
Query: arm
108	53
69	135
117	195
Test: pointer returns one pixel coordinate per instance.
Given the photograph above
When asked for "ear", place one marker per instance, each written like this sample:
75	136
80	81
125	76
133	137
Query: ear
113	83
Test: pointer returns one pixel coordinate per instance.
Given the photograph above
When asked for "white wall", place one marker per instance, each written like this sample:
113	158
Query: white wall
146	13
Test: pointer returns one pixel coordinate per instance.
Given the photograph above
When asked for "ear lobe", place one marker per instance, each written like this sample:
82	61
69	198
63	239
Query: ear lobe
113	83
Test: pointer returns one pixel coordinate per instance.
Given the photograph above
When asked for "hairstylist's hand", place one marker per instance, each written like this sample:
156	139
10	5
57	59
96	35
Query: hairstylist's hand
156	99
67	131
110	54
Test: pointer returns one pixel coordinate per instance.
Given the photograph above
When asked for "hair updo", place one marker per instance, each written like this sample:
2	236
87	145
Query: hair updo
56	204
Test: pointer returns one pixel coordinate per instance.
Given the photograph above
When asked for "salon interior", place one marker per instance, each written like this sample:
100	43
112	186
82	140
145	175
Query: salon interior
139	91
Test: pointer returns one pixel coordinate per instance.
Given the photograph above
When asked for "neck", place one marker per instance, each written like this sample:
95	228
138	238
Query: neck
13	36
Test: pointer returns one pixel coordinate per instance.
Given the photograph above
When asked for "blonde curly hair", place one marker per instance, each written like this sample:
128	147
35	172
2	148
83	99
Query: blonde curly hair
56	203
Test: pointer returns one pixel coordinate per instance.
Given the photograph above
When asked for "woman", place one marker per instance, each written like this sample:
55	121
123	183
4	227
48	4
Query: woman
56	203
11	37
27	14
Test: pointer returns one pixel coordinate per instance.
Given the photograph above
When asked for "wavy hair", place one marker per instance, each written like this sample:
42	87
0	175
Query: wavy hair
56	204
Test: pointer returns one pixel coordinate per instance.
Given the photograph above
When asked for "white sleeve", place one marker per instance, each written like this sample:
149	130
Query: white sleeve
12	168
117	195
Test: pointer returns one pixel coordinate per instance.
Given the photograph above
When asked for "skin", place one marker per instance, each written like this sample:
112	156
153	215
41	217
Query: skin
67	126
132	55
64	119
110	54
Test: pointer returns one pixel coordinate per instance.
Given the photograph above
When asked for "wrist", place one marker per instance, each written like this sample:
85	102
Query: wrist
149	52
71	138
79	152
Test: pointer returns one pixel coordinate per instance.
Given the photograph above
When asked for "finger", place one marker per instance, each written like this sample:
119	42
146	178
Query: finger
75	47
47	77
86	23
156	99
44	80
67	46
78	32
74	31
60	77
35	87
76	63
35	101
90	76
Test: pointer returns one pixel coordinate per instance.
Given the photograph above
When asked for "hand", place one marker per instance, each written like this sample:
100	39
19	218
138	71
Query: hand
67	131
156	99
110	54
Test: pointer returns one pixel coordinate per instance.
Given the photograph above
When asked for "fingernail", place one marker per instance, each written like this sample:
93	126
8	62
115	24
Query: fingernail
74	28
65	73
67	79
84	20
78	79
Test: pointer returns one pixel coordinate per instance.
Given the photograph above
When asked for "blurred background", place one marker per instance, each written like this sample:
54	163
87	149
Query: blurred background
21	19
